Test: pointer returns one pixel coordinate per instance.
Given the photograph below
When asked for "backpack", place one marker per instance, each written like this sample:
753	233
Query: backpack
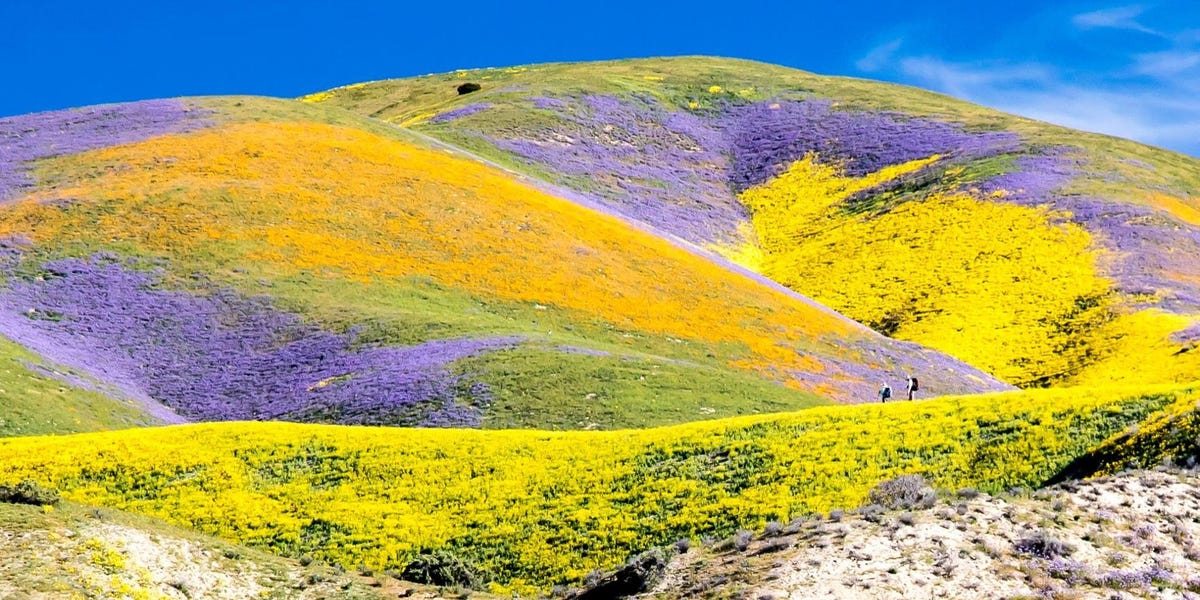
916	386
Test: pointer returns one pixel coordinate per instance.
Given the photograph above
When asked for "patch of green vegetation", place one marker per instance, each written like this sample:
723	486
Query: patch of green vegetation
36	398
579	389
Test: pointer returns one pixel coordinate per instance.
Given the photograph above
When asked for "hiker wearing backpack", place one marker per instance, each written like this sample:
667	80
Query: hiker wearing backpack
885	393
913	386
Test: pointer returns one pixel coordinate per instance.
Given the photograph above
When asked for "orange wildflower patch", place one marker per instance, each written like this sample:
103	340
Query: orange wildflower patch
345	203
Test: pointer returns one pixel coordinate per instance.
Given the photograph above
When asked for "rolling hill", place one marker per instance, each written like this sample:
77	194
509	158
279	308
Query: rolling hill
259	259
1041	255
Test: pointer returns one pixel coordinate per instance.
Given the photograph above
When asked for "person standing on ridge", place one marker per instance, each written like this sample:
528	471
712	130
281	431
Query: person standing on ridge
885	393
913	386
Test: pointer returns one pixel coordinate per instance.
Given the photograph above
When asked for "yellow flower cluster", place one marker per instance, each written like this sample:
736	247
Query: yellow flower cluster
1003	287
344	203
537	508
329	94
1140	351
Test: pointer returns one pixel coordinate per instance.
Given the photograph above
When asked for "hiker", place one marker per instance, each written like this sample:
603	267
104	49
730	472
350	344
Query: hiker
913	386
885	393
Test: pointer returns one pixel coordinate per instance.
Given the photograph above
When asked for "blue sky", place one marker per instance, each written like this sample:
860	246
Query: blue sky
1128	69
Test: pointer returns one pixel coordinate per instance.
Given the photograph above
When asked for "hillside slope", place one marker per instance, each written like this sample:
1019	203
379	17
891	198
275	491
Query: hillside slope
532	509
1041	255
249	258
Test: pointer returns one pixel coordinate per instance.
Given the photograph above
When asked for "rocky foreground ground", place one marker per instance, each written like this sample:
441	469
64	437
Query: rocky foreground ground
1132	535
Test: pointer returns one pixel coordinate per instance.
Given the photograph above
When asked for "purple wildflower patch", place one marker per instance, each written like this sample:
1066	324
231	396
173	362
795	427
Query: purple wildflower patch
767	137
857	374
1153	255
460	112
583	351
548	103
647	163
224	357
1188	336
40	135
1036	177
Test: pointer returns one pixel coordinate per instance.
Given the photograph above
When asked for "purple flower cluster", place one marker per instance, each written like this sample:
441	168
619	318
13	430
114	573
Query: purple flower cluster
1134	579
1191	335
766	137
40	135
661	167
583	351
856	375
1153	254
462	111
548	103
1036	177
225	357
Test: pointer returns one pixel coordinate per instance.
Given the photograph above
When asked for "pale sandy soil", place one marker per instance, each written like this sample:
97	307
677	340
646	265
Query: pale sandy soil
1135	535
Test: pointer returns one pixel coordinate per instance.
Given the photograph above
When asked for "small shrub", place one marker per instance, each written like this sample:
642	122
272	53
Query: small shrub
907	518
29	492
1043	545
182	586
306	560
837	515
682	545
906	492
740	541
772	529
442	568
968	493
231	553
794	526
872	512
468	87
775	545
637	576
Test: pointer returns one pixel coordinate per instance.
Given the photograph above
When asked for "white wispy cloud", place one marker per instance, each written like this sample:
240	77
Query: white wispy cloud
1152	97
1121	17
961	79
879	56
1169	63
1156	116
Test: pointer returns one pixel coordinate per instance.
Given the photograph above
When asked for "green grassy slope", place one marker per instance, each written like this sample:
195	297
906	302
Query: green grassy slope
38	398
